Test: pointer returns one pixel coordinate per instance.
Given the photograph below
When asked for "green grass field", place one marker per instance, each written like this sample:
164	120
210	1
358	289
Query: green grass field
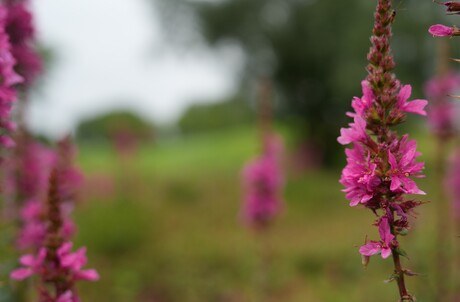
164	227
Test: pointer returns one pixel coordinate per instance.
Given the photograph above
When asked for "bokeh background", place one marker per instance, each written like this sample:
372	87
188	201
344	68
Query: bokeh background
161	97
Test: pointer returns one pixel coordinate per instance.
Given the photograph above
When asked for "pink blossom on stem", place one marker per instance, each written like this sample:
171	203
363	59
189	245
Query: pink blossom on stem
8	79
404	166
32	265
356	132
56	266
381	165
33	163
440	30
382	246
415	106
263	182
442	111
359	176
20	28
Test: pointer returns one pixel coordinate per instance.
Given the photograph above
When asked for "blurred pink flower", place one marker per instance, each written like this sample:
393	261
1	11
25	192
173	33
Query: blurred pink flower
32	265
442	111
75	261
384	245
263	182
20	28
8	78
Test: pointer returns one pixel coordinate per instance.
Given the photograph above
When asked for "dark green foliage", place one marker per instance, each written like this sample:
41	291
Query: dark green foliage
216	116
106	126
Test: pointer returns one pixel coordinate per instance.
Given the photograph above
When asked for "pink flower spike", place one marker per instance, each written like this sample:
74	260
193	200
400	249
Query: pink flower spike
440	30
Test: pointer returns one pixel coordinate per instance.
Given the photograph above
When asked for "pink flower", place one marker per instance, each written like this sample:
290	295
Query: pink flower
68	296
361	105
263	182
442	111
356	132
32	265
359	176
415	106
404	167
384	245
75	261
20	28
440	30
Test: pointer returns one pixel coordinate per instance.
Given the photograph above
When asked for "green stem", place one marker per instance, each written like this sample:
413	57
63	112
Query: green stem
443	229
399	273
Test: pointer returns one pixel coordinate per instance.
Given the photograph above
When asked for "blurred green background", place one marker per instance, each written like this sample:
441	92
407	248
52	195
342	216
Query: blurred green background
164	227
160	203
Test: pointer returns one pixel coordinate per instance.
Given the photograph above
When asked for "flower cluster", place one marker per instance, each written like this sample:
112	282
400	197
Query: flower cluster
33	166
263	182
381	166
57	267
8	79
20	28
442	111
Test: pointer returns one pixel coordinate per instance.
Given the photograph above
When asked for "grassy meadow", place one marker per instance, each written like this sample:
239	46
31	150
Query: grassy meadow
163	226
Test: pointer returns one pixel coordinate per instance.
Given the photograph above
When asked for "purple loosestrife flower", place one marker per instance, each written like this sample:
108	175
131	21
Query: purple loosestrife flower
359	176
56	266
381	165
356	132
415	106
403	166
380	247
263	182
20	28
33	165
8	78
442	111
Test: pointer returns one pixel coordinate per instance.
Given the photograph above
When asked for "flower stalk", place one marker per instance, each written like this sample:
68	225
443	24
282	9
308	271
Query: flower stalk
381	165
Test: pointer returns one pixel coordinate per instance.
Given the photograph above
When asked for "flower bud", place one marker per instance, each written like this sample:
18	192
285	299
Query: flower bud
440	30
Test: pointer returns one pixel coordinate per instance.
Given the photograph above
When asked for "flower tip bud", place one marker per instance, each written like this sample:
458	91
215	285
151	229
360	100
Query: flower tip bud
440	30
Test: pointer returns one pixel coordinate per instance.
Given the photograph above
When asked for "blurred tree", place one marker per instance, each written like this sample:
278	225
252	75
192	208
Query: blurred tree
315	51
214	116
111	125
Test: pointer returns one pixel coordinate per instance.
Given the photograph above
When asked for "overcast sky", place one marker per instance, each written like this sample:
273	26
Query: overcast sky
110	55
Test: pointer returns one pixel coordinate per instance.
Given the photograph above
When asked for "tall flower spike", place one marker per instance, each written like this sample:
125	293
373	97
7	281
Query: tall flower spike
381	166
262	182
57	267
